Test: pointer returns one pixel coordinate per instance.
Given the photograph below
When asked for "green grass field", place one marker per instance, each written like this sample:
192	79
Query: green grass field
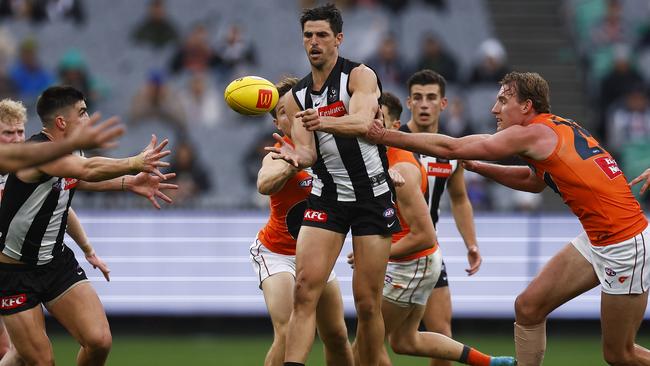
250	351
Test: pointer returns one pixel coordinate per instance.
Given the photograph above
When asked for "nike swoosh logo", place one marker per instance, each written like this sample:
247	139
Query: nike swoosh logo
80	272
391	224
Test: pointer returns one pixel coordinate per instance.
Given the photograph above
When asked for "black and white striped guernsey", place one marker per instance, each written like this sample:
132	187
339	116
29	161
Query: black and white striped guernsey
347	168
438	172
33	216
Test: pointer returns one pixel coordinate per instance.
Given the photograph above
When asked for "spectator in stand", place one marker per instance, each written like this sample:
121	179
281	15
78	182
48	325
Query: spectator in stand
30	77
387	62
201	100
616	84
191	176
611	29
492	66
456	123
435	57
237	53
156	29
40	11
195	54
157	100
73	71
8	88
629	123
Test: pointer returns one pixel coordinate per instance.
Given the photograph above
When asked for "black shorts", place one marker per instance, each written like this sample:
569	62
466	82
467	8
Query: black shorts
377	216
442	279
23	286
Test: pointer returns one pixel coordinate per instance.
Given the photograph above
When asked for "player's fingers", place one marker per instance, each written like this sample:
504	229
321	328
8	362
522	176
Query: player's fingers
94	118
272	149
169	176
162	145
636	180
160	155
153	201
645	186
163	197
157	172
167	186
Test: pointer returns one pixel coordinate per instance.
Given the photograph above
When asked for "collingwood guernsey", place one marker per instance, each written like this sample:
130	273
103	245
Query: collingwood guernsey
346	168
33	216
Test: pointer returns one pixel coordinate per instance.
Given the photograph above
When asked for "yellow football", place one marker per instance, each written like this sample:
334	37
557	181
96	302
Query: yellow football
251	95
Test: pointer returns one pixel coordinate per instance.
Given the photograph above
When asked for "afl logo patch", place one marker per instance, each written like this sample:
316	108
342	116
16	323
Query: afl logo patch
305	182
610	272
390	212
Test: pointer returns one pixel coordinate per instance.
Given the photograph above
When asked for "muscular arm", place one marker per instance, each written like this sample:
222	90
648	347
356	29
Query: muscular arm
363	105
121	183
92	170
303	140
273	175
461	208
77	232
532	141
520	178
14	157
415	212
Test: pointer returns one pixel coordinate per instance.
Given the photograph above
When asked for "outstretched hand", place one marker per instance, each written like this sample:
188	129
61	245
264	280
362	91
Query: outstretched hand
97	262
376	132
150	186
148	160
93	135
285	151
644	176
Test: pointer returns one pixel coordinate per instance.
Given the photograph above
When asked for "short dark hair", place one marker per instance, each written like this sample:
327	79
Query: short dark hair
392	103
56	98
530	85
426	77
327	12
284	86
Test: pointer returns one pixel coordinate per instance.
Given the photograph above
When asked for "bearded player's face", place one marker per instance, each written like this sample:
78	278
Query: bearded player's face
320	42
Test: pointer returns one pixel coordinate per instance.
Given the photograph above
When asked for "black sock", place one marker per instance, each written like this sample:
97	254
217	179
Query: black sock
293	364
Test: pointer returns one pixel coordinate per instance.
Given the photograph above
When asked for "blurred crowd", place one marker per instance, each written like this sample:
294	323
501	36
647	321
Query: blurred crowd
182	91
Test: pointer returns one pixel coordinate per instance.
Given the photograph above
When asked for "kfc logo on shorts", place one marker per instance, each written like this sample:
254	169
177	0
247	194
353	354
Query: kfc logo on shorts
390	212
623	278
610	272
609	166
12	302
316	216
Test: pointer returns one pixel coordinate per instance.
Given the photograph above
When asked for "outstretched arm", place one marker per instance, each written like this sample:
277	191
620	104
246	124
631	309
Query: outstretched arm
273	175
461	209
14	157
143	184
520	178
78	234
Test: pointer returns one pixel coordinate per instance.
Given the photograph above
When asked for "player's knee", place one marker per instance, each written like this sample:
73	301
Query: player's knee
619	357
367	307
335	339
99	342
401	345
528	312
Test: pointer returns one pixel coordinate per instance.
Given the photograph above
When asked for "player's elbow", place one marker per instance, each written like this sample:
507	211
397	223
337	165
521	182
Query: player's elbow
264	187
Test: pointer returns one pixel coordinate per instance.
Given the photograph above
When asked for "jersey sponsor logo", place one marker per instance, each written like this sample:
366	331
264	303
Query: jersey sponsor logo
316	216
69	183
307	182
609	166
333	110
264	98
442	170
12	302
610	272
389	212
623	278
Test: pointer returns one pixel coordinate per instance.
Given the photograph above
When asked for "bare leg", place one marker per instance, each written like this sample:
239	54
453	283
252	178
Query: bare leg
370	259
5	343
82	314
316	252
278	294
331	327
567	275
621	316
437	317
27	331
